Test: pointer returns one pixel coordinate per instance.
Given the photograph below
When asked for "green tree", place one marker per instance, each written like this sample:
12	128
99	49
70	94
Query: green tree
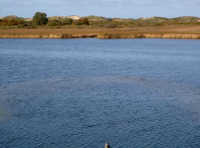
40	18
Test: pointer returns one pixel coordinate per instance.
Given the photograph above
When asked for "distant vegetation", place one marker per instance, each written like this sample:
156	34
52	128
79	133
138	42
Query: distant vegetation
41	19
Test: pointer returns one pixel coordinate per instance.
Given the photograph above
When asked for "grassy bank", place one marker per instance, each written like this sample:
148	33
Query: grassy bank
167	31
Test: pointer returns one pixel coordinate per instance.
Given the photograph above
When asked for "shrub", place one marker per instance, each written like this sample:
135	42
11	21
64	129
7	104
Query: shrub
67	21
54	23
60	22
82	21
12	21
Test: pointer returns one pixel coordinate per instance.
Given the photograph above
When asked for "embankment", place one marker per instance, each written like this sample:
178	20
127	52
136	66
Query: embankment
166	32
104	36
150	35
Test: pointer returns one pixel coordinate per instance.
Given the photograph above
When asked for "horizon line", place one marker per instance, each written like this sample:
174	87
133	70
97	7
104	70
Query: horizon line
103	16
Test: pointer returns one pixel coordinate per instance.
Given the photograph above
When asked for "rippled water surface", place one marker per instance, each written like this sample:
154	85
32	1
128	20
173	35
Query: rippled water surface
82	93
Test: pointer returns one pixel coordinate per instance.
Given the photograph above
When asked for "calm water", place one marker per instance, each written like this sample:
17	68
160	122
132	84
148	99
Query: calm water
82	93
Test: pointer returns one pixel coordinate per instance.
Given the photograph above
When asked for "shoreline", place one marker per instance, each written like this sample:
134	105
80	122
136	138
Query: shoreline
163	32
105	36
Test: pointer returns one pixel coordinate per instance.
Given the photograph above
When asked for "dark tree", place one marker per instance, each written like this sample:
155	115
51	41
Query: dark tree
40	18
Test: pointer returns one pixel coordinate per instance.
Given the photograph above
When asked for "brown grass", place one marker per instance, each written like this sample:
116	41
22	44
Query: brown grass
95	32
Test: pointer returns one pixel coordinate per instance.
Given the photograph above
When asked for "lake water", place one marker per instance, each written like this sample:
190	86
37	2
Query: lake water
81	93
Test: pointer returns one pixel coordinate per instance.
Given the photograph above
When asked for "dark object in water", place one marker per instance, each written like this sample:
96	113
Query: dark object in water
107	145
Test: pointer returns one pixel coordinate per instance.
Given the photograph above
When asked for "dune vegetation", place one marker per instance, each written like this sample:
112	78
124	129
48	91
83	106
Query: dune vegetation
41	26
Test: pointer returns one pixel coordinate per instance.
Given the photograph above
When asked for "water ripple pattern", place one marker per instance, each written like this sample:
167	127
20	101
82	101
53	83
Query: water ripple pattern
78	93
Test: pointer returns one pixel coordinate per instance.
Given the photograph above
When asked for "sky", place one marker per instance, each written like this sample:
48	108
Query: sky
107	8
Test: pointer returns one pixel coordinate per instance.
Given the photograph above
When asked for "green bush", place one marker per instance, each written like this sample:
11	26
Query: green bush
67	21
54	23
60	22
82	21
11	21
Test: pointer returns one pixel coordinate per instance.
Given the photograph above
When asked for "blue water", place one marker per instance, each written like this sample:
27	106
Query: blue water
81	93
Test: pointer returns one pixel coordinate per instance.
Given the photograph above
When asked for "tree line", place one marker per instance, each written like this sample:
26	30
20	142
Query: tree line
41	19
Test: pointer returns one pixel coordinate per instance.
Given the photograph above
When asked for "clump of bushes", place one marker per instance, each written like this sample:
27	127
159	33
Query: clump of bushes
82	21
11	21
41	19
54	23
67	21
60	22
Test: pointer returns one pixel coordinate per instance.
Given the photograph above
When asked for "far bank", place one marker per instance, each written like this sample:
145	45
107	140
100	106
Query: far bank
166	32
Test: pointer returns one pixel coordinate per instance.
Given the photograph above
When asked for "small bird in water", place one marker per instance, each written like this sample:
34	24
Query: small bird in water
107	145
